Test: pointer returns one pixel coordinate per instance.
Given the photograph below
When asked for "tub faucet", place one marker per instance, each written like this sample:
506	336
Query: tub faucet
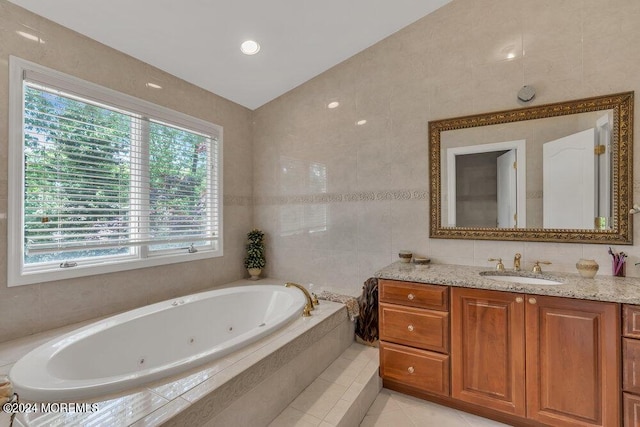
516	262
306	312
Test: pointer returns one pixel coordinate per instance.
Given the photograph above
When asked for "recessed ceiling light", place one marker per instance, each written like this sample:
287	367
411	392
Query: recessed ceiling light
333	104
153	86
511	55
250	47
361	122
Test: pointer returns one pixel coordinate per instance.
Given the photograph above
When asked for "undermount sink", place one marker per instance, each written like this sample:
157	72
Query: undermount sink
520	279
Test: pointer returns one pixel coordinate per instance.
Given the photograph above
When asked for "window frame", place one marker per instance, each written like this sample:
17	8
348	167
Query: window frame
17	275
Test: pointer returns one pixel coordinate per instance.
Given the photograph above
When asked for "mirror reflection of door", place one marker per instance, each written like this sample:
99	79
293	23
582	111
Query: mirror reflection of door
604	168
486	185
476	189
569	181
507	190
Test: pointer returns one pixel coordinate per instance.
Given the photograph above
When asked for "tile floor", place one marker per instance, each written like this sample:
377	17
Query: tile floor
398	410
327	401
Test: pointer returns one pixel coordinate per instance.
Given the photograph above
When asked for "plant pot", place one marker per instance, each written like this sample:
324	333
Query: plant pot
255	273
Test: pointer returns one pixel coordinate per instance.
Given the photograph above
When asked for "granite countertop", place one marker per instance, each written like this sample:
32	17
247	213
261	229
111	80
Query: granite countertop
601	288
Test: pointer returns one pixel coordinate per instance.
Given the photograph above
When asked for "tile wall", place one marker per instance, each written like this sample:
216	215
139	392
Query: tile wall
28	309
338	200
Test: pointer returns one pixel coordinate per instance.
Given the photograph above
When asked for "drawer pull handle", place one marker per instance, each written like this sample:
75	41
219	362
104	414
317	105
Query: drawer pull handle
410	369
410	328
411	297
532	301
519	300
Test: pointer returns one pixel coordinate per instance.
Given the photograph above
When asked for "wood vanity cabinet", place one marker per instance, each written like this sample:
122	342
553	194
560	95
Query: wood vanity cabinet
527	360
414	335
552	360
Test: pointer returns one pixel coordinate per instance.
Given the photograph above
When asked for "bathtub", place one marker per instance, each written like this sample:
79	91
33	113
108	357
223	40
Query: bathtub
152	342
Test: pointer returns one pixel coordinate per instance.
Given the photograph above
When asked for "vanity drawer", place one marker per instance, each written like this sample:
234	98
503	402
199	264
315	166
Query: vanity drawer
631	410
415	327
421	295
420	369
631	321
631	365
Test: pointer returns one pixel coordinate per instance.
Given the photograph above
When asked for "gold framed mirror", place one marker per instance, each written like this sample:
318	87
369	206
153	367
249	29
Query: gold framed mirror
559	172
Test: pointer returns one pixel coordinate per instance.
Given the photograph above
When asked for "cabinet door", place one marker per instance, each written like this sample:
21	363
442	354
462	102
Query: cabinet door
572	361
487	349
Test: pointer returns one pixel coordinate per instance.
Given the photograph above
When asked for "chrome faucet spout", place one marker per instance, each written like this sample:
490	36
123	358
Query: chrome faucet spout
306	312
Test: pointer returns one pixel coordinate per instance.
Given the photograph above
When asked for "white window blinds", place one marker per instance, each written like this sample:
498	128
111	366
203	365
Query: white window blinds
100	181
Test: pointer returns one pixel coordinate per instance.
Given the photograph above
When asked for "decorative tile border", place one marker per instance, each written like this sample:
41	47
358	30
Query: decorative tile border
530	196
362	196
534	194
235	200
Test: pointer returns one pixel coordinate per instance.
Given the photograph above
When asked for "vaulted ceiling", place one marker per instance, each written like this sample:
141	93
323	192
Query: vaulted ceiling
199	40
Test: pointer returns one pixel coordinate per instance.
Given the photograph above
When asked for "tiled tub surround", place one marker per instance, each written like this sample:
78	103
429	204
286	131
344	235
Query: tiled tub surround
273	371
36	308
427	71
126	350
601	288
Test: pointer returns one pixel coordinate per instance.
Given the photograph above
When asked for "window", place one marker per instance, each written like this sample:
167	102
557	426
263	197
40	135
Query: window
100	181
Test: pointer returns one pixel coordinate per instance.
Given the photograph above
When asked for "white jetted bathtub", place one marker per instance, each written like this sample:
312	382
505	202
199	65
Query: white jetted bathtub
153	342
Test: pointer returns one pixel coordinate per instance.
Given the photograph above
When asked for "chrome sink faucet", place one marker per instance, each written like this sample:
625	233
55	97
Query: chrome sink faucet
516	262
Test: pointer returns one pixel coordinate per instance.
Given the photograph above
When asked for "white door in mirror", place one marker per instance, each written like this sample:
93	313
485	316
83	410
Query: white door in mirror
568	181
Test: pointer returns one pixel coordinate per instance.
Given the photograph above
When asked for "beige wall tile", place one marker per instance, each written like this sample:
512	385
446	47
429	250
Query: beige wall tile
451	63
410	227
33	308
20	313
563	255
485	249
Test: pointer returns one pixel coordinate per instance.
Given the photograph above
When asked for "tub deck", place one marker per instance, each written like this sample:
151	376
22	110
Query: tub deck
210	387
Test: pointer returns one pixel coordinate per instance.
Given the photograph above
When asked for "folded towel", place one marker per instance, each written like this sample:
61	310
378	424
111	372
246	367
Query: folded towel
349	301
367	323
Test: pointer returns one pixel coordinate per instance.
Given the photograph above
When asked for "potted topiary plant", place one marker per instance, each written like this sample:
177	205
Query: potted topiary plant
255	262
